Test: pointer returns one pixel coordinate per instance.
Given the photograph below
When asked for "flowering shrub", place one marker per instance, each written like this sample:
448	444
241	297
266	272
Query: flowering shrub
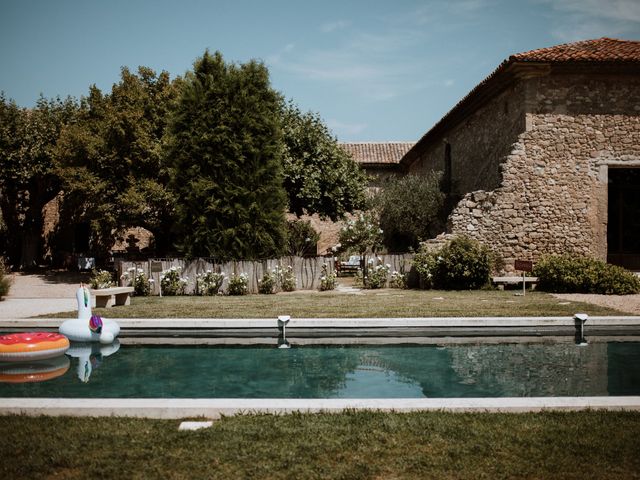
328	280
376	275
172	283
461	264
361	234
209	283
238	284
398	280
101	279
267	284
358	278
138	280
285	278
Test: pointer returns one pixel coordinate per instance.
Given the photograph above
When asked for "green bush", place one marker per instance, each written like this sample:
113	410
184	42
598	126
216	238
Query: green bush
172	283
286	278
460	264
101	279
136	278
376	275
579	274
398	280
209	283
328	280
238	284
5	282
267	284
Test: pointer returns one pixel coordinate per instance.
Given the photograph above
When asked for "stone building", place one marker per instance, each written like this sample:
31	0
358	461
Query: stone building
544	154
380	160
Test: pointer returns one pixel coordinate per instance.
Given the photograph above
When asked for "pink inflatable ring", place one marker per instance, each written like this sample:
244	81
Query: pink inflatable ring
25	347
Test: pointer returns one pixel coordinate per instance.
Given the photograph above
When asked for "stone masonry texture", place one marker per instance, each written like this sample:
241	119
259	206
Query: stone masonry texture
531	164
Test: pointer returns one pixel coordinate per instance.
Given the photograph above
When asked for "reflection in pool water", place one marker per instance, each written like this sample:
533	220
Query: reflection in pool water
34	371
90	356
359	371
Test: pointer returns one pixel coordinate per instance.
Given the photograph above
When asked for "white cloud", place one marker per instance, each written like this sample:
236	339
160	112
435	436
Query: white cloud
333	26
449	82
375	67
624	10
341	129
584	19
438	13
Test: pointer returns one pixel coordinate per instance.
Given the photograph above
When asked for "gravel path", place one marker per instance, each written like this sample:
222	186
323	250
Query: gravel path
624	303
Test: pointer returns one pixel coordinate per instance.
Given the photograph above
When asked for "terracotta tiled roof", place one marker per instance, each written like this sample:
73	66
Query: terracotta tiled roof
588	52
377	152
600	50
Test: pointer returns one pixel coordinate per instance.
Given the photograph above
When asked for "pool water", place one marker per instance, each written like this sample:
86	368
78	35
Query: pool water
358	371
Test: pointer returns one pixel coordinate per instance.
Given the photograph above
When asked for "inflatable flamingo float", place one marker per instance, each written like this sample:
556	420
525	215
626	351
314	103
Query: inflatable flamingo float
87	327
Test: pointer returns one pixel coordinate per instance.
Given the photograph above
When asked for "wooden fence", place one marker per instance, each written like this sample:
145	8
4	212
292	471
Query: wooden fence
307	269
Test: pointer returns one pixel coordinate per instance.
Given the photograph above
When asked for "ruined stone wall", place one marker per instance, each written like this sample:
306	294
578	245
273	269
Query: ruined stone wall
478	143
553	195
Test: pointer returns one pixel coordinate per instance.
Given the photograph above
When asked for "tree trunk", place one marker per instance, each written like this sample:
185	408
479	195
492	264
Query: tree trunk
30	246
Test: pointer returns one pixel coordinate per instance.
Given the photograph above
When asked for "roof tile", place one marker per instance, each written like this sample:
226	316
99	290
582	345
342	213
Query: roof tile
377	152
599	50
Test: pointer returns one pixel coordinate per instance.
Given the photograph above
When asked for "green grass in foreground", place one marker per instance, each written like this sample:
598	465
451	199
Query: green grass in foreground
351	445
371	303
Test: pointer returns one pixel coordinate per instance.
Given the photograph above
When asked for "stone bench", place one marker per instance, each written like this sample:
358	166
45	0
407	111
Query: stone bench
501	282
108	297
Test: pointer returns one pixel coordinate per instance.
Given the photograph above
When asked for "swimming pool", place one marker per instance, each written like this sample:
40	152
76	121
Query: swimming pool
408	370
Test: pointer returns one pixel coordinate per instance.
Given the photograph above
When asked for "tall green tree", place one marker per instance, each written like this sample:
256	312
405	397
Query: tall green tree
28	177
409	209
111	160
226	153
319	175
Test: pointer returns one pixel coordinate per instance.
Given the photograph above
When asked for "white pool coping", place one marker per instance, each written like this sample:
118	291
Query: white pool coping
238	323
216	408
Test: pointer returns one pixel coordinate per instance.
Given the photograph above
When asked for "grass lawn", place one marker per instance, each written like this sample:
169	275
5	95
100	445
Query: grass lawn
370	303
351	445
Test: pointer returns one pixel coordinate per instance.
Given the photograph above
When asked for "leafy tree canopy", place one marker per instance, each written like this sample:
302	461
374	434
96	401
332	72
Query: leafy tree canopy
225	150
28	179
319	175
111	159
409	208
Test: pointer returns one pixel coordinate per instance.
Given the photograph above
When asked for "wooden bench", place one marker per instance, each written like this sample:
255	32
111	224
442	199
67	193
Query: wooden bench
108	297
349	267
501	282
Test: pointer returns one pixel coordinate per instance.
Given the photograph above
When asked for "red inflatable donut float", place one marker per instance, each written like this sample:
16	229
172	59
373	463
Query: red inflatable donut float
36	371
26	347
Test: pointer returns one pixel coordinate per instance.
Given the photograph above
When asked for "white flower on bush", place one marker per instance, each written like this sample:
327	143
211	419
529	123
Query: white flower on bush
238	284
209	283
136	278
328	280
377	275
100	279
171	282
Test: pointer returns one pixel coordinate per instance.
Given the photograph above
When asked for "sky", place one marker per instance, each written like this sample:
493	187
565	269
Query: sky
376	70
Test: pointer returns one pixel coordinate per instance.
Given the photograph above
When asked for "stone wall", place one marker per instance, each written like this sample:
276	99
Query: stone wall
553	194
478	144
